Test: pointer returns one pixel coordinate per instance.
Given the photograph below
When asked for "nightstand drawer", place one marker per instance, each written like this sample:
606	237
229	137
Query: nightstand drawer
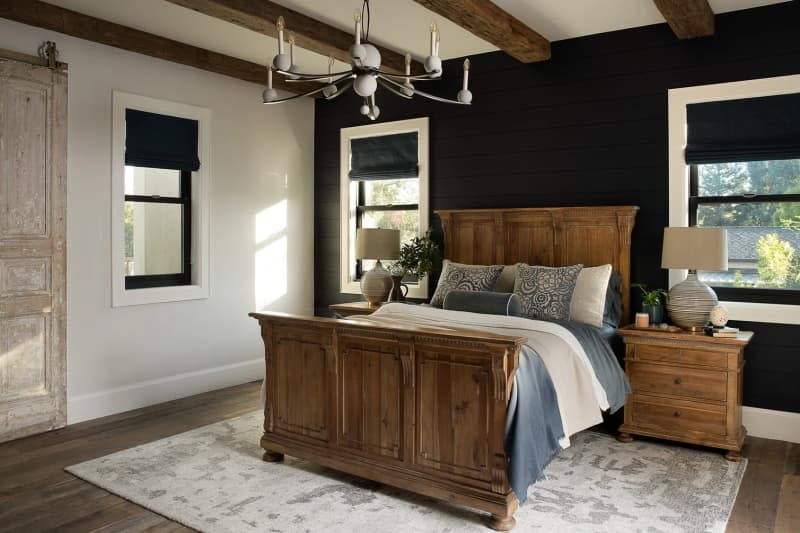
678	381
677	416
672	354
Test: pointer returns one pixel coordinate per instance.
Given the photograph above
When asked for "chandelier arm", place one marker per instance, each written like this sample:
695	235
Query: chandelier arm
413	77
342	89
423	93
309	93
299	76
392	89
439	98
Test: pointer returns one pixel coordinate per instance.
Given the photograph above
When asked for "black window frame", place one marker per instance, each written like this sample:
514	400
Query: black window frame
146	281
741	294
362	209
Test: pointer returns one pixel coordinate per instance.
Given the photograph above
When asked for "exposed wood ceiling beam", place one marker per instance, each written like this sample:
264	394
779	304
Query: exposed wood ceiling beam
494	25
687	18
260	16
48	16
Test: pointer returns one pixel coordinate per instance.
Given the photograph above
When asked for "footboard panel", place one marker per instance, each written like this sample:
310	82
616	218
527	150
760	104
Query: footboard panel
416	408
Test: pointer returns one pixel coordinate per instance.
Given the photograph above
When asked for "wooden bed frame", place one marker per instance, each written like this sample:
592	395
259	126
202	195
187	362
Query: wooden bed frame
417	408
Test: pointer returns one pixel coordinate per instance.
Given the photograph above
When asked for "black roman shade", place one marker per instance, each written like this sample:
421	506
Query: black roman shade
160	141
384	158
749	129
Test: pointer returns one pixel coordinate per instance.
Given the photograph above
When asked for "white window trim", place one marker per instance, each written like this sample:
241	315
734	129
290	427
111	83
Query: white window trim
347	211
678	99
200	203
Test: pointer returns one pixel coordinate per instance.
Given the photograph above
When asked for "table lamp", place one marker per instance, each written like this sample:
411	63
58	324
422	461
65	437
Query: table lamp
691	300
377	244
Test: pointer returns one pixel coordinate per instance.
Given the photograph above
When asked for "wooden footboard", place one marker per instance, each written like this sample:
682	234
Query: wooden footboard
416	408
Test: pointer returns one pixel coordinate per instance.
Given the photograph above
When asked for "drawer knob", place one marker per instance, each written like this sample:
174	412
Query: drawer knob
677	381
676	414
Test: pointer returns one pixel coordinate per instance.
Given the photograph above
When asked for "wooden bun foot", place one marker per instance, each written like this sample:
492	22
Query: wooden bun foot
625	437
272	457
734	455
502	523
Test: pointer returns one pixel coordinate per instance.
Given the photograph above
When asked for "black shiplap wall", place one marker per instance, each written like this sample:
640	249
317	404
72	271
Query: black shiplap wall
588	127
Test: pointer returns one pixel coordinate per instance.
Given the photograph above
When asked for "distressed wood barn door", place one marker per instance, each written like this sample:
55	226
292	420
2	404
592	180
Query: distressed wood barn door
33	143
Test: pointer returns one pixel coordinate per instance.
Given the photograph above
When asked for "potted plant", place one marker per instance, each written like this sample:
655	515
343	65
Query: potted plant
417	258
653	302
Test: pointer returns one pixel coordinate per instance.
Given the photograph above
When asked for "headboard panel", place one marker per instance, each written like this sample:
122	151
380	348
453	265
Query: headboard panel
550	236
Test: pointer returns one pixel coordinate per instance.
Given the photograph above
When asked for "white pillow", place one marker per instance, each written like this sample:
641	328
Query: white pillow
589	296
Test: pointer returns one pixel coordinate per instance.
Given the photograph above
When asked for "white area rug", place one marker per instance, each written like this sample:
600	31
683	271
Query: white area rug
213	479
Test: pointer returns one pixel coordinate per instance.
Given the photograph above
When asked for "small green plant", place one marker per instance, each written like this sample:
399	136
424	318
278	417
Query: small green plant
655	297
417	257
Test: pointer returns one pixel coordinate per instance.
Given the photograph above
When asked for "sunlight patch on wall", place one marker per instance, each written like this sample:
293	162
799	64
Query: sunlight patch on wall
271	256
271	221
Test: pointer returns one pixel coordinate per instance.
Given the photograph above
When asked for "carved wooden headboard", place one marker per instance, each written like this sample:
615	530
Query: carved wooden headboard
550	236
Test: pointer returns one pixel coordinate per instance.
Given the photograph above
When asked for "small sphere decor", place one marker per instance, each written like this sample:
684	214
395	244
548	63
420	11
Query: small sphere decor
718	316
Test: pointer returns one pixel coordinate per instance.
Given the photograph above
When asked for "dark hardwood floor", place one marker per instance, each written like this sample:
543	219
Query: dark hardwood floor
37	495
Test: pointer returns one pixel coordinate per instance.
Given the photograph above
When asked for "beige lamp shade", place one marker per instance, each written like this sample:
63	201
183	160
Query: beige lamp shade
377	243
695	248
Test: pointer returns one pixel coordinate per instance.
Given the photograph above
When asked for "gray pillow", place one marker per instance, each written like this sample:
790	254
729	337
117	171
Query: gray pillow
505	283
546	292
457	276
492	303
612	314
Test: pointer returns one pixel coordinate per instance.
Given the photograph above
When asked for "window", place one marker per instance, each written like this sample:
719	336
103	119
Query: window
758	202
158	227
160	164
384	184
387	204
749	183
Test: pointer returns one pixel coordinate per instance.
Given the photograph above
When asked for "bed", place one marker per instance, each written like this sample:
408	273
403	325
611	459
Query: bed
422	403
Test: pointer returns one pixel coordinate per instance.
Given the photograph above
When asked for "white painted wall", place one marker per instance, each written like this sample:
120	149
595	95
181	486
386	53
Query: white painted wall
262	173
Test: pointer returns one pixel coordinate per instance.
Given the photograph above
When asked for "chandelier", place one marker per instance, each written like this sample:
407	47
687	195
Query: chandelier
365	73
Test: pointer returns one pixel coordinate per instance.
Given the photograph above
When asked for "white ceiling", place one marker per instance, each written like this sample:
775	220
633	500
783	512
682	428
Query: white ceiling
399	24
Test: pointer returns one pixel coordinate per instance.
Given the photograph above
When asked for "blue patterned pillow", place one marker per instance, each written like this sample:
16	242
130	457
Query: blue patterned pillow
546	292
465	278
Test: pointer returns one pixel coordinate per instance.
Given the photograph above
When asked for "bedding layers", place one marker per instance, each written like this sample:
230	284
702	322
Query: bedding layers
566	376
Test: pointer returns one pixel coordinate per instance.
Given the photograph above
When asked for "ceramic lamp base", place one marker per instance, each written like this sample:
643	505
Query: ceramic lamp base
376	284
690	303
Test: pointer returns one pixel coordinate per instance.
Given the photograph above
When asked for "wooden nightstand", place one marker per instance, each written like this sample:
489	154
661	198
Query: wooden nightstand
686	387
353	308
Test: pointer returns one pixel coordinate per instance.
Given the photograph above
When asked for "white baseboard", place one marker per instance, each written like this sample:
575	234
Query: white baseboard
120	399
769	424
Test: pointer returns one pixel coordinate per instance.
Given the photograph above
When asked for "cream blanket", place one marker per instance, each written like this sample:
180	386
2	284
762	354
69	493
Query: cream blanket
581	397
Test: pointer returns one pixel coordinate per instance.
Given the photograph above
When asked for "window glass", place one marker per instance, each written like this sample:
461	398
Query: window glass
763	223
391	192
407	221
153	238
152	181
752	177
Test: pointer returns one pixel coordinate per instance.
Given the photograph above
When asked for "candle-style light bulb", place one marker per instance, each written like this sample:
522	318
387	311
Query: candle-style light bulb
330	67
466	74
433	38
357	18
438	38
408	67
269	77
291	46
280	25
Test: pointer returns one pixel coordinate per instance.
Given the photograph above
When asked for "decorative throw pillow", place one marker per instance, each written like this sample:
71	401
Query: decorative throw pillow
492	303
546	292
589	296
505	283
465	278
612	313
